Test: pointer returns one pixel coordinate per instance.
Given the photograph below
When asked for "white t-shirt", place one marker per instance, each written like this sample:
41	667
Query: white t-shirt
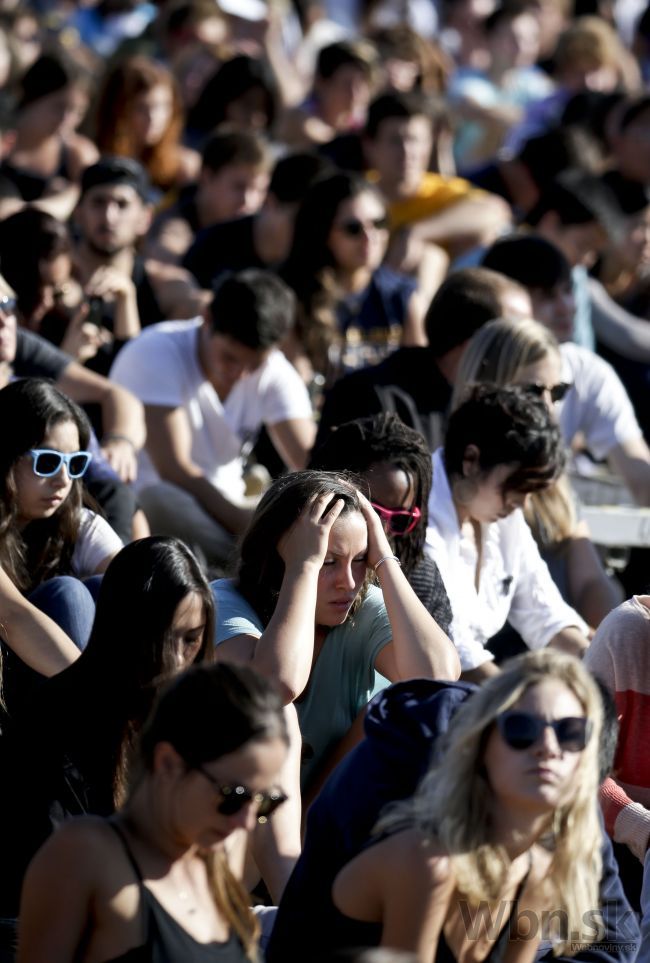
95	542
598	405
514	585
161	367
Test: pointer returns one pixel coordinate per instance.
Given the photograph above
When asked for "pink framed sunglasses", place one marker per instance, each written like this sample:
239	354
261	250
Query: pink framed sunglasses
399	521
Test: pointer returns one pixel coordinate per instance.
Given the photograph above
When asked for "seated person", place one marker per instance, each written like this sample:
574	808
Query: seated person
501	445
208	386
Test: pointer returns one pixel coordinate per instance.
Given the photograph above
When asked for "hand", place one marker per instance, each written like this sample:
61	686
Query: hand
82	339
378	544
109	284
121	456
307	540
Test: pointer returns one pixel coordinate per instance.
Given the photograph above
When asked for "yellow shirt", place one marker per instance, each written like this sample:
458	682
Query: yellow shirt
435	193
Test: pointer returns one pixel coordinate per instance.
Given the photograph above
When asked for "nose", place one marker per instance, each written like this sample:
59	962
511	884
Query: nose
245	819
346	577
547	744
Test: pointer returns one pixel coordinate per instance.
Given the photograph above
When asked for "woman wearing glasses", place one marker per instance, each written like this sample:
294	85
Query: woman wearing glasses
49	540
353	311
500	846
153	881
501	446
304	611
394	462
526	353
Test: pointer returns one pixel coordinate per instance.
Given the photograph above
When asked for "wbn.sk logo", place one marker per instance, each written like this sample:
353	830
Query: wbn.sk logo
488	920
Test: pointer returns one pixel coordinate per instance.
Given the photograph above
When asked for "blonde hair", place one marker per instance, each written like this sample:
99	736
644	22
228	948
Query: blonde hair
593	43
496	354
453	801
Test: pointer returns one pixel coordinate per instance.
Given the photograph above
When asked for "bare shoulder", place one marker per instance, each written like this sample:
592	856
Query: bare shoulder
85	843
411	857
163	271
82	149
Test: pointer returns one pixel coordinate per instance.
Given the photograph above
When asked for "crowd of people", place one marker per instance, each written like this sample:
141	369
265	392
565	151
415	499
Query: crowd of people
314	318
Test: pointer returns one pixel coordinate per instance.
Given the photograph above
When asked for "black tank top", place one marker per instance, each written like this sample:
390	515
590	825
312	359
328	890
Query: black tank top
165	939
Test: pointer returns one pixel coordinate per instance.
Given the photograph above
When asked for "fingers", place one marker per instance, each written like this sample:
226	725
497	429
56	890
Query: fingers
319	510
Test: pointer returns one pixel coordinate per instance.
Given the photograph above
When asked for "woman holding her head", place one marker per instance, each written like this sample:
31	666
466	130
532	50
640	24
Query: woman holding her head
153	881
526	353
508	818
394	462
501	446
49	540
319	602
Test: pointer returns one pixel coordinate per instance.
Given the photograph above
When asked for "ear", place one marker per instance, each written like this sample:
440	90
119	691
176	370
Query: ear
167	761
145	219
471	462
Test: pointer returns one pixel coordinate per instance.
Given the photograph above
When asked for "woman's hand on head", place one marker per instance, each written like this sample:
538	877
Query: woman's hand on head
306	542
378	544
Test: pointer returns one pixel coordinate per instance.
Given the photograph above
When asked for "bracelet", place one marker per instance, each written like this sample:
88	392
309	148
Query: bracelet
116	436
385	558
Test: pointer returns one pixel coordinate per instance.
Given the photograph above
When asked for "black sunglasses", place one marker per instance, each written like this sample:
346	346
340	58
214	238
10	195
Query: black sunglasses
557	392
236	797
521	730
355	228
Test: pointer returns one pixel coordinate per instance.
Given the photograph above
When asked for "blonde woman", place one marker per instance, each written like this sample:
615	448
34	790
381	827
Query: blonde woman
500	847
526	353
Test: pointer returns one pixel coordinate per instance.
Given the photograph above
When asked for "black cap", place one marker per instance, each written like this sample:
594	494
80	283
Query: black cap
114	170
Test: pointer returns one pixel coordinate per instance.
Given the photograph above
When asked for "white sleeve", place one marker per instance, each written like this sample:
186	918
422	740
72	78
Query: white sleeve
598	404
151	367
96	542
284	395
537	609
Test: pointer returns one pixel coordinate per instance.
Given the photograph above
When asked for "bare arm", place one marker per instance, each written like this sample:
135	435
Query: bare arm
177	292
169	445
419	648
413	332
571	640
631	461
294	439
593	592
31	634
621	331
468	222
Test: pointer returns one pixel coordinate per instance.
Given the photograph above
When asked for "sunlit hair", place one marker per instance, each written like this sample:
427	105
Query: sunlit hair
495	355
206	713
454	801
29	409
123	83
261	569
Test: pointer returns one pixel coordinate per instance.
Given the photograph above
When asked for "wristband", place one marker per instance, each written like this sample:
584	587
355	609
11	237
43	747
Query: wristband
385	558
116	436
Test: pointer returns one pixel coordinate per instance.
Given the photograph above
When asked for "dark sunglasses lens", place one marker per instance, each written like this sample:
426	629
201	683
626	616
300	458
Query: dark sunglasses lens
234	799
78	465
47	464
519	729
270	803
536	390
558	392
571	733
401	524
352	228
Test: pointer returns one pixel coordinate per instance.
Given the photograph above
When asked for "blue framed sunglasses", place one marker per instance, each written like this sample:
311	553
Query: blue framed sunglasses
46	462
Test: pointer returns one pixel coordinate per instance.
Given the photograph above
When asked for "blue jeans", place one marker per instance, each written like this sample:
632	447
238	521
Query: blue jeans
70	603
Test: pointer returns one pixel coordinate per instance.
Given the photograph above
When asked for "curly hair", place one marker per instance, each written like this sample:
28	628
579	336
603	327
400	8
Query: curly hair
358	445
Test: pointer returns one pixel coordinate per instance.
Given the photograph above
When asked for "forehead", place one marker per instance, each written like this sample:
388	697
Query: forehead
550	698
189	612
105	193
225	345
391	486
348	535
398	128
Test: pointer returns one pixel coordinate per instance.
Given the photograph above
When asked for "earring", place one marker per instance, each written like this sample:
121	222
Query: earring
464	490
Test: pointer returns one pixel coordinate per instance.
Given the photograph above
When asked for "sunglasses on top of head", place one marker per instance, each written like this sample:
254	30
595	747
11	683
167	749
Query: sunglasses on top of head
46	462
398	521
521	730
234	798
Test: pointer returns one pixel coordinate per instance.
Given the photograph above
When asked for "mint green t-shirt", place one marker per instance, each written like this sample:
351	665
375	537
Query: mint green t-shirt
343	676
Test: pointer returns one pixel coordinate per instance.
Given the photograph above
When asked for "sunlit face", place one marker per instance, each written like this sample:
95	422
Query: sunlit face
343	570
256	766
401	151
151	115
391	487
556	309
599	78
359	233
187	630
634	250
234	191
540	778
112	217
8	326
226	361
547	372
42	497
517	41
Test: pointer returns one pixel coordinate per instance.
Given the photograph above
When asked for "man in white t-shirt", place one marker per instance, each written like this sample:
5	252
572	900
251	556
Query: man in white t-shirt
208	386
